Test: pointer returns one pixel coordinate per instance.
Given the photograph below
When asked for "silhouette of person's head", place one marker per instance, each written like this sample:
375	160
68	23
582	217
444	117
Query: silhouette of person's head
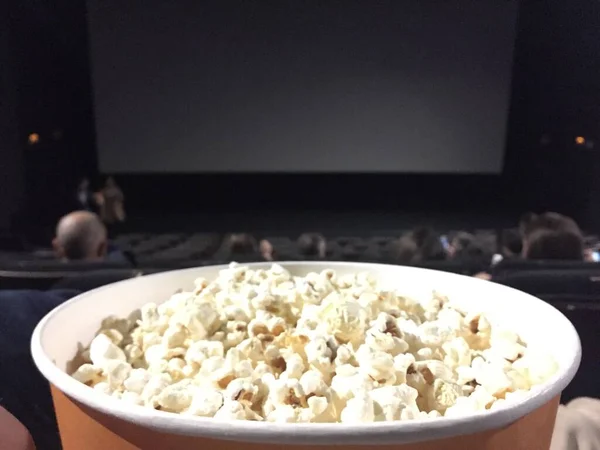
80	235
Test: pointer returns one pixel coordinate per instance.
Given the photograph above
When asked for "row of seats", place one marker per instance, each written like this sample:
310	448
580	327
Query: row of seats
178	250
535	277
150	253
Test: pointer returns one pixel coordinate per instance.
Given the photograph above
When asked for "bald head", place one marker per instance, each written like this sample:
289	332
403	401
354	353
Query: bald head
80	235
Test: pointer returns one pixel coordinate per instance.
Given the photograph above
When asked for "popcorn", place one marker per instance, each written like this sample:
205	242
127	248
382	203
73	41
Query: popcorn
149	316
176	397
319	355
153	388
266	345
137	381
88	374
458	353
377	365
479	400
242	390
283	413
491	376
317	407
175	336
115	324
387	340
344	319
344	386
436	369
116	372
205	402
287	392
114	335
390	401
103	387
131	397
244	369
402	363
133	352
103	350
231	411
155	354
536	367
294	367
175	368
312	382
261	369
359	409
200	351
200	320
443	395
252	348
150	339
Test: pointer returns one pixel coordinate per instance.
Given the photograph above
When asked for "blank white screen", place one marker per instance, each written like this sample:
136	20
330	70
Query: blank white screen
301	86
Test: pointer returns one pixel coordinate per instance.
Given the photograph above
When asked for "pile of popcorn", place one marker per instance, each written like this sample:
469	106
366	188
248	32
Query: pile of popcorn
267	345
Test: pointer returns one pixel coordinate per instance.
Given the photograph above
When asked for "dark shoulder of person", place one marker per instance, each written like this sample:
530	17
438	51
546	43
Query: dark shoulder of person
21	310
23	390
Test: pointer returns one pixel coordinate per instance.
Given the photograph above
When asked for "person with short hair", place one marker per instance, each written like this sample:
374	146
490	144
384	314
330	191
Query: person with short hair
511	243
80	235
467	247
266	250
403	250
112	203
548	236
553	236
312	245
548	221
429	245
546	244
460	243
242	248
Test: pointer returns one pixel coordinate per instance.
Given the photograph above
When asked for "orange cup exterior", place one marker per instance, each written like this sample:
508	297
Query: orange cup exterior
84	428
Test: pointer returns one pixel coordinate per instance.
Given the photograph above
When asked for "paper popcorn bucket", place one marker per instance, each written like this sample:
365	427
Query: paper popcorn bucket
90	420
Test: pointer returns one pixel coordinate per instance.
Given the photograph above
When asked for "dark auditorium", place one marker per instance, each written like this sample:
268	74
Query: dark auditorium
267	225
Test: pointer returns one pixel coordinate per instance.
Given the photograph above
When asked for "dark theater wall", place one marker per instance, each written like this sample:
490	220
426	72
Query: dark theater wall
11	181
51	96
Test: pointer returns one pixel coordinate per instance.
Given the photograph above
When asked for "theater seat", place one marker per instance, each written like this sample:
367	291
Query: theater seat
154	264
455	266
553	282
584	313
54	265
517	264
22	279
87	281
42	275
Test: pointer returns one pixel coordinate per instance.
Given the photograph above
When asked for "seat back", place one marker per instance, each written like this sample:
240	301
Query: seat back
86	281
554	282
584	313
517	264
43	274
